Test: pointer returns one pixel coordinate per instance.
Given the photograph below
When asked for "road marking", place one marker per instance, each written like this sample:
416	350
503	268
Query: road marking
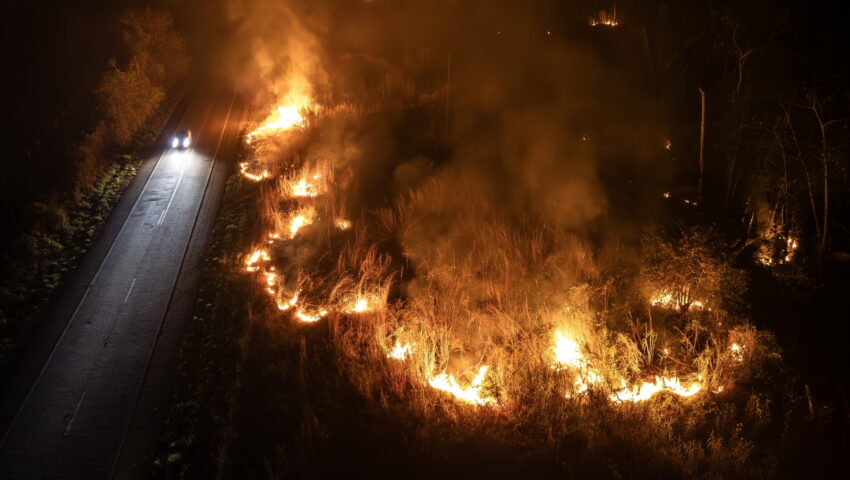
74	415
173	193
183	170
65	330
130	290
149	361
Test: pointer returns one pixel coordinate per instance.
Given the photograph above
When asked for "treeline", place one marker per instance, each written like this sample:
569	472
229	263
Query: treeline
129	95
46	243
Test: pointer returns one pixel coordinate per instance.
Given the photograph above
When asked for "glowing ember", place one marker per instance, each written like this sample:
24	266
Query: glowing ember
281	119
284	306
256	177
299	220
271	281
343	224
300	314
400	351
254	259
304	189
737	352
668	144
677	302
470	394
605	18
646	390
360	306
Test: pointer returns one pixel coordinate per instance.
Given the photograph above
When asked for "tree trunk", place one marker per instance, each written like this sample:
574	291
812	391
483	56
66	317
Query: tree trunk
701	143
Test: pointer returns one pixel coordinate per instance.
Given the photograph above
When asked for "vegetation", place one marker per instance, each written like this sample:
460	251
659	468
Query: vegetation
210	356
410	307
134	106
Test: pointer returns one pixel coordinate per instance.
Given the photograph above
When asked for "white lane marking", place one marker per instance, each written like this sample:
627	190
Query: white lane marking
173	193
103	261
129	423
130	290
74	415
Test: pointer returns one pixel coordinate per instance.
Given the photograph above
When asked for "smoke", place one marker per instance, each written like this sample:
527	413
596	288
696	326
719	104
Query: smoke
274	56
457	113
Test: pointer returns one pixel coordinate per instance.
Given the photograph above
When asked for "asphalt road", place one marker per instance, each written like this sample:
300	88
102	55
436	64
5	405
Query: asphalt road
90	404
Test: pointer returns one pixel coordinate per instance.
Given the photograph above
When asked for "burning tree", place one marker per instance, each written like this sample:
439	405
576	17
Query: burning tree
690	269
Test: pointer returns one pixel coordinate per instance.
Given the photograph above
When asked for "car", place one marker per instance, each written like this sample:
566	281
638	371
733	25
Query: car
182	139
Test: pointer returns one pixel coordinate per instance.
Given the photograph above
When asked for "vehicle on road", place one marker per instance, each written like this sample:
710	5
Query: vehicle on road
182	139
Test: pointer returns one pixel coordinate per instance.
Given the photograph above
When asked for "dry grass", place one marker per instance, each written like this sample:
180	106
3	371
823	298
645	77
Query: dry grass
450	285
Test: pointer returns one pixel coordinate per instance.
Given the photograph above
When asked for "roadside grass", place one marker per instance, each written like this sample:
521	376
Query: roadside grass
42	259
210	351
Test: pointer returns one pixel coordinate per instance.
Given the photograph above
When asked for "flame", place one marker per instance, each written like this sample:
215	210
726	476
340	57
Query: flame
256	177
255	258
567	351
678	301
360	306
271	281
304	189
273	236
737	352
302	315
568	354
767	252
646	390
281	119
299	220
470	394
668	144
400	351
343	224
605	18
284	306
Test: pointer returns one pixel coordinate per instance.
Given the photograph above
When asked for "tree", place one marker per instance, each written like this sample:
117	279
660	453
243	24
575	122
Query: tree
127	99
157	49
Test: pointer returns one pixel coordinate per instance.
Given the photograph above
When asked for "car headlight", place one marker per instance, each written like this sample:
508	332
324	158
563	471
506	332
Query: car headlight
186	142
175	142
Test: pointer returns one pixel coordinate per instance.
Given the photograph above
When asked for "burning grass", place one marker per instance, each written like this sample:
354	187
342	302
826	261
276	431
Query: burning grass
451	318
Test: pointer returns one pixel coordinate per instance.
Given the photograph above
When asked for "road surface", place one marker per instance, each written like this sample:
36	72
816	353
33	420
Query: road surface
88	397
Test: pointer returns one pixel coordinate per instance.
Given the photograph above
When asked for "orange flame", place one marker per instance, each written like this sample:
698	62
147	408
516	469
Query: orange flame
470	394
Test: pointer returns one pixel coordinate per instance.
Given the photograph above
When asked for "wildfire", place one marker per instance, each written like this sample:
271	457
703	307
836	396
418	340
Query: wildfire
304	189
302	315
568	354
470	394
271	281
343	224
766	254
400	351
299	220
646	390
255	258
282	118
273	237
360	306
567	351
737	352
605	18
678	302
284	306
256	177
